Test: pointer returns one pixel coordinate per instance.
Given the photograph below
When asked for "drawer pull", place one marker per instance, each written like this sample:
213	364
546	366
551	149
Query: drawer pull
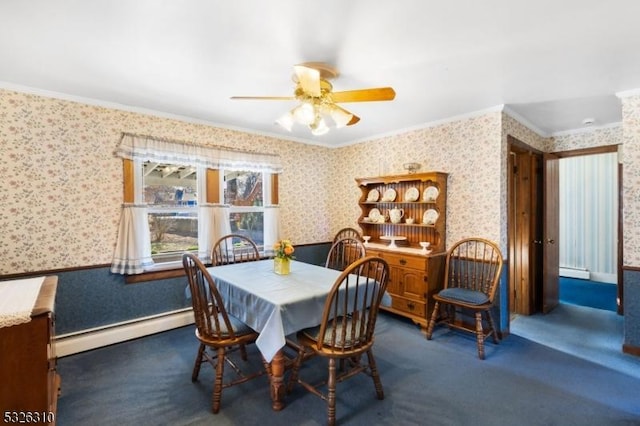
403	262
411	306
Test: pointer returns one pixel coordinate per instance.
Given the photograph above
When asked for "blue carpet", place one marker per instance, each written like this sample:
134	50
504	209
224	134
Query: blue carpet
588	293
438	383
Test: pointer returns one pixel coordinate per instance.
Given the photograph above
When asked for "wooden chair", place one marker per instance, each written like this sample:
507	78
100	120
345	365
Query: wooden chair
347	233
234	248
215	329
346	331
472	274
344	252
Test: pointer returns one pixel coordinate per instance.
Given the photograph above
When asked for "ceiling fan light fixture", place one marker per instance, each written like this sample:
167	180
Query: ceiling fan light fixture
318	108
319	127
305	113
286	121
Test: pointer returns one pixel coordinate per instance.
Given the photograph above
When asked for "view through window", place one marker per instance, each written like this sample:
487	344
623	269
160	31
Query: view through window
170	191
244	191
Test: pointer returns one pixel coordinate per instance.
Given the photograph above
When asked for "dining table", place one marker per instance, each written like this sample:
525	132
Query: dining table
275	306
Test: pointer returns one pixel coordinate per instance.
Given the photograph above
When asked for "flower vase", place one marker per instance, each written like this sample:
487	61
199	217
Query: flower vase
281	265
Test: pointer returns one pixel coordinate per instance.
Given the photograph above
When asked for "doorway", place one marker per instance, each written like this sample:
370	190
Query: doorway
590	247
532	205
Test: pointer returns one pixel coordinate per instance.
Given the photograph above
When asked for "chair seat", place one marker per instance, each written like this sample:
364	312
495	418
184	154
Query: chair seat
471	297
313	334
239	328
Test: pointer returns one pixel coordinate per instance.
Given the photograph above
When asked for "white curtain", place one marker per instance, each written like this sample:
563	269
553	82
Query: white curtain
271	228
162	150
133	247
588	215
213	223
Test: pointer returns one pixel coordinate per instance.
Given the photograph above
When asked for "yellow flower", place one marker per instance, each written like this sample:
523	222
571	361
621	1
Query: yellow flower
284	249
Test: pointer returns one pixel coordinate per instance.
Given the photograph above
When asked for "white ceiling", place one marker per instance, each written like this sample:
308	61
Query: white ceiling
552	63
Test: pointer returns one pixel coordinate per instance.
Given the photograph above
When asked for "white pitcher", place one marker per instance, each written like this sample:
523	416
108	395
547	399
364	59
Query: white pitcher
396	215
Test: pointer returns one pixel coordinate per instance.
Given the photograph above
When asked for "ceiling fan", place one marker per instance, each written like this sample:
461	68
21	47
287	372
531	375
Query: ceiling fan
318	107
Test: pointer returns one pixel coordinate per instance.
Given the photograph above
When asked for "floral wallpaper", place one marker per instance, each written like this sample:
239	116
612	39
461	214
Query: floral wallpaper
631	180
468	150
602	136
62	186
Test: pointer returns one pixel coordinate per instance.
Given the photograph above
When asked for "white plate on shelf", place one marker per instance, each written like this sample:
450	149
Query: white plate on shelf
389	195
412	194
373	196
429	217
430	194
374	215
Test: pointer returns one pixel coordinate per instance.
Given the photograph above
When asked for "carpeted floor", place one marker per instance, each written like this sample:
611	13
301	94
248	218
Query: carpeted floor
440	382
588	293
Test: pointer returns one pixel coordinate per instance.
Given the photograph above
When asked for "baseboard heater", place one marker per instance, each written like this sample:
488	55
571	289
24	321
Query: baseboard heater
72	343
581	273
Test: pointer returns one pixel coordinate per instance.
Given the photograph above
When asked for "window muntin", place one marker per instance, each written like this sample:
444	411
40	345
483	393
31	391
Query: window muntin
245	192
171	194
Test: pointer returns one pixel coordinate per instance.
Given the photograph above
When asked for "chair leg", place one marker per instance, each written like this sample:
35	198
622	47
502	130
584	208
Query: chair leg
198	363
479	335
331	393
293	377
217	385
494	333
375	375
243	352
432	321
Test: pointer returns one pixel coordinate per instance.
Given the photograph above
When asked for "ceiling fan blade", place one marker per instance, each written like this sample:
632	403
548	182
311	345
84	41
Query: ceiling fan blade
353	121
365	95
342	117
309	79
265	98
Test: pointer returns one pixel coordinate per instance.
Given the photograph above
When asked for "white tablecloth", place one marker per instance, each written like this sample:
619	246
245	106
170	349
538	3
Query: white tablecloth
17	298
274	305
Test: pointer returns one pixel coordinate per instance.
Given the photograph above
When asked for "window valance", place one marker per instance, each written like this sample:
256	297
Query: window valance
160	150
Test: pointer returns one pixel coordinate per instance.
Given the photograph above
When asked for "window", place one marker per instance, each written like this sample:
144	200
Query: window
181	197
171	193
245	192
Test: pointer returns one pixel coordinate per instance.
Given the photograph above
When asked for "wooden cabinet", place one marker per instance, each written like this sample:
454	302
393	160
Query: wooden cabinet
30	383
414	278
415	275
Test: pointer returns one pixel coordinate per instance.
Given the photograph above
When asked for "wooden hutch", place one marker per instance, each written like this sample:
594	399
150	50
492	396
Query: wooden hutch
415	273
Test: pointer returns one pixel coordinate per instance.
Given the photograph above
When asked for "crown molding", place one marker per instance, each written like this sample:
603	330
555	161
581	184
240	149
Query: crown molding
589	129
474	114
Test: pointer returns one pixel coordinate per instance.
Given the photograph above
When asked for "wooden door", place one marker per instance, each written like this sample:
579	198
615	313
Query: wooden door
551	225
413	284
525	230
620	308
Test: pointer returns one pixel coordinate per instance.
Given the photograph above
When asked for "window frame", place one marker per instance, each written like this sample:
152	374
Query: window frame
210	190
170	257
266	195
168	260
